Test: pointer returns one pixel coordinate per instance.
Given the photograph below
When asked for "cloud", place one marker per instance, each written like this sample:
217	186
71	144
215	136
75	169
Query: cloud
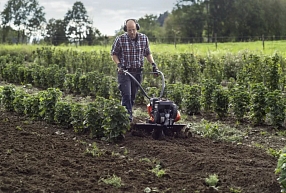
107	15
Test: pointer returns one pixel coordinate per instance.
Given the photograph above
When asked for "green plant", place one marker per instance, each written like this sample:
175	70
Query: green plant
212	180
145	160
48	101
220	101
19	101
217	131
191	99
240	100
116	120
8	96
112	180
235	190
32	106
158	171
273	152
208	86
275	107
77	117
93	150
63	114
258	103
125	151
93	118
281	170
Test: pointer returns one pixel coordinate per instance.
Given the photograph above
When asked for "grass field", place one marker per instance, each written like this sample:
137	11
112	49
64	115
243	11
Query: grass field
270	47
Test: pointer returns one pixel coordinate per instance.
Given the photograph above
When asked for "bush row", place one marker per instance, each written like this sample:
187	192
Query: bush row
91	83
102	118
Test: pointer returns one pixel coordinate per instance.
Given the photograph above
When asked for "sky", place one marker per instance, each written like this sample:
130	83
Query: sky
107	15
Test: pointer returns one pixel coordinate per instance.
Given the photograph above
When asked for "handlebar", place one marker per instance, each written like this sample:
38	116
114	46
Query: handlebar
163	82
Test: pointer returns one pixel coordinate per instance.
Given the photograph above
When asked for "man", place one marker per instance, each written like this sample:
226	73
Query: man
128	52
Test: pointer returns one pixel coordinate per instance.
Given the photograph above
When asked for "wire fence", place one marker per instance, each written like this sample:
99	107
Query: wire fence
161	39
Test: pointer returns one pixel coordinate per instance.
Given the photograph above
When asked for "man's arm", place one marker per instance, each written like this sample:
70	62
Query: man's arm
150	58
115	59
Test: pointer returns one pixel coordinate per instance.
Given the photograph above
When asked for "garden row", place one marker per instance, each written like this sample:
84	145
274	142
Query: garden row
260	100
102	118
244	68
257	102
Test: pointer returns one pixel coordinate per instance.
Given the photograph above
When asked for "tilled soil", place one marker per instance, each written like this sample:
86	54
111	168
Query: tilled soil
38	157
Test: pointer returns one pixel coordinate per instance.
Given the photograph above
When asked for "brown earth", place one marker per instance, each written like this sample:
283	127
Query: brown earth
38	157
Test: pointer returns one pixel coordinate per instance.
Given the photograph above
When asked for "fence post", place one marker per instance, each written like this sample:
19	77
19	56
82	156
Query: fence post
263	41
215	41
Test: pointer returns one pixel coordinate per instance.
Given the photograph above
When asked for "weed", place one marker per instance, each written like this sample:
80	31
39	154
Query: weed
212	180
217	131
158	171
273	152
9	151
112	180
235	190
125	151
145	160
94	151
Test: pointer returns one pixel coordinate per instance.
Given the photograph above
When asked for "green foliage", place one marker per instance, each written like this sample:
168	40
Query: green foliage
208	87
239	99
76	80
68	84
275	107
112	180
63	114
94	118
217	131
220	99
213	69
10	73
174	92
273	74
48	101
158	171
281	170
8	96
77	117
189	69
18	102
258	103
116	120
212	180
32	106
191	99
93	150
83	86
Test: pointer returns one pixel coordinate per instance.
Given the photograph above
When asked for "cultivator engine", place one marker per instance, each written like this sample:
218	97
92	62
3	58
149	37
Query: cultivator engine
163	114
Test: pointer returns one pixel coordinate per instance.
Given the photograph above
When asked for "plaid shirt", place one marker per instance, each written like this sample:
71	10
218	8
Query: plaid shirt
131	53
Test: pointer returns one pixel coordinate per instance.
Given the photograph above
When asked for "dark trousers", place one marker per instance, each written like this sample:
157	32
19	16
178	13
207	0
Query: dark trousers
128	89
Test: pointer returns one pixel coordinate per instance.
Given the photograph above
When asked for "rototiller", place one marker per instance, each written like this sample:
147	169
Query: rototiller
163	115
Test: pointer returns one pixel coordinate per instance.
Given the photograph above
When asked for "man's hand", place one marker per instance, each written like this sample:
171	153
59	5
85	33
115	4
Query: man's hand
120	67
155	69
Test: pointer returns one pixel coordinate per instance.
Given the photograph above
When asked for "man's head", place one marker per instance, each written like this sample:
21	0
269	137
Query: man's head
131	27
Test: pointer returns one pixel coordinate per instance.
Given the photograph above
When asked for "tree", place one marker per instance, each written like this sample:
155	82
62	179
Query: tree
56	32
36	18
77	22
187	22
149	25
25	15
6	17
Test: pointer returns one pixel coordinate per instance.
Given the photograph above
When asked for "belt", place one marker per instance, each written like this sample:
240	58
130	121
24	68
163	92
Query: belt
134	69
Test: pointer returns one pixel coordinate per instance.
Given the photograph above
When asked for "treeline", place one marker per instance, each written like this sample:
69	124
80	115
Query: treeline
239	20
190	21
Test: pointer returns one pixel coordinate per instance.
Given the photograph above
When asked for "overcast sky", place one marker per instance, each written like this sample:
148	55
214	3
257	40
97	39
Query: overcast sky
107	15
